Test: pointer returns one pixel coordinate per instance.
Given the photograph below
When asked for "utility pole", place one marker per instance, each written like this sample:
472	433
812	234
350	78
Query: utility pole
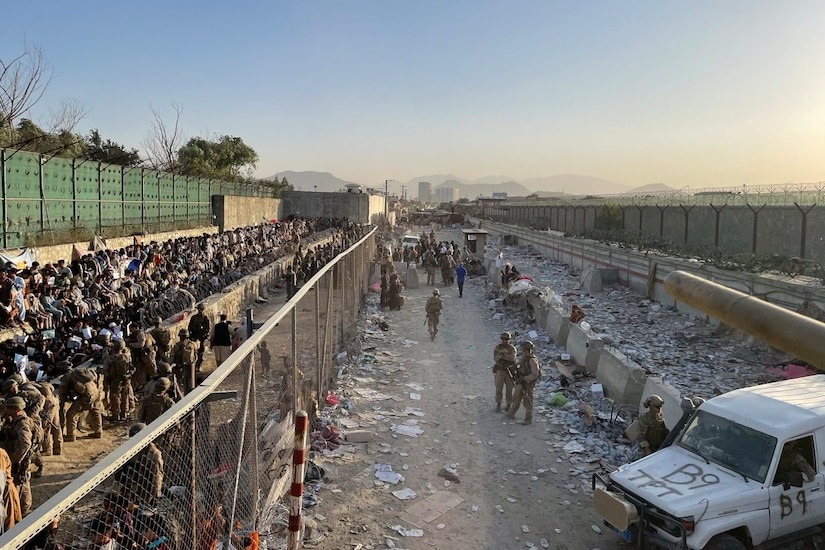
386	201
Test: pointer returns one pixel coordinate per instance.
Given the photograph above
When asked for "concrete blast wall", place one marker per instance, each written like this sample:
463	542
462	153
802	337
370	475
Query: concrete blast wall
232	212
358	207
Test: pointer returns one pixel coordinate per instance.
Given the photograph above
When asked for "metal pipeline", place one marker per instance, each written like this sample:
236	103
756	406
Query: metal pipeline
786	330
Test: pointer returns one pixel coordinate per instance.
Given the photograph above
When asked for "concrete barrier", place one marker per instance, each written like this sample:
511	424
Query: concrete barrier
584	348
672	409
623	380
557	327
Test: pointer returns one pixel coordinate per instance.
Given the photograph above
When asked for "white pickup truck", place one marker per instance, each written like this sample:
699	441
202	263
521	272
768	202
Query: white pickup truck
747	472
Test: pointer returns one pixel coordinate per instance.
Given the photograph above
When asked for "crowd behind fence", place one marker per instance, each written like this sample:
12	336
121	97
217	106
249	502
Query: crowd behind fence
213	468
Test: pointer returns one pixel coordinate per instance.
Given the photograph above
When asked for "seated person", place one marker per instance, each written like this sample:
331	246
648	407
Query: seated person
792	463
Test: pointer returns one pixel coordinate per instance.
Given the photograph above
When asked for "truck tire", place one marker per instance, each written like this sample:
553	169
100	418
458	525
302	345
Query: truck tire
725	542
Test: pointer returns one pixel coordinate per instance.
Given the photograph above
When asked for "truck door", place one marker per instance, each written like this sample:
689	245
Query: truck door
797	494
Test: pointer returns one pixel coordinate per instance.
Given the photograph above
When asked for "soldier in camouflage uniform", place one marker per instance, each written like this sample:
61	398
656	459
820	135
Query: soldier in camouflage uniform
142	347
157	403
141	478
19	440
652	429
117	374
433	309
79	387
529	372
504	356
162	338
52	441
34	400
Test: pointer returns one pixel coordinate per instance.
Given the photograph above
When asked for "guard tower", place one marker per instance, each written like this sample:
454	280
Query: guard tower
475	240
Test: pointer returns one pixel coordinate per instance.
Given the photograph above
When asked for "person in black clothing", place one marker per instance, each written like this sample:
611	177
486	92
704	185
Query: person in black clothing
199	330
221	341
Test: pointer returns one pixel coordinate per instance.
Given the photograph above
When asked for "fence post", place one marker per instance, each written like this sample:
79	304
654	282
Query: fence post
100	198
42	194
295	360
123	196
142	202
241	445
318	366
5	198
297	489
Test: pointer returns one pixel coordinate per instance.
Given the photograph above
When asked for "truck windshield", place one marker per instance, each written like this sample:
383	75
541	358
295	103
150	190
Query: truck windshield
742	449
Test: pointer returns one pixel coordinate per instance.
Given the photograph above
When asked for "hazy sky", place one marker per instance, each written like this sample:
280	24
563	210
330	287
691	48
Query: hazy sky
697	93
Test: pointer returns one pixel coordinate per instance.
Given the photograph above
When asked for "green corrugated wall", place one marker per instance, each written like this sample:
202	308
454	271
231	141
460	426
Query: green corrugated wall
75	199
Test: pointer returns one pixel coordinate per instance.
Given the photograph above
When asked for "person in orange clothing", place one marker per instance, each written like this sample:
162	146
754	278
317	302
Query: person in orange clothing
11	499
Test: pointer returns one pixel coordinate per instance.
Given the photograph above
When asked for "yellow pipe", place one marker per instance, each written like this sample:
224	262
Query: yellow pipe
781	328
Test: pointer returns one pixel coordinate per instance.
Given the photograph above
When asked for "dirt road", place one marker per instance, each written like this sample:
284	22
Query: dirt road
514	488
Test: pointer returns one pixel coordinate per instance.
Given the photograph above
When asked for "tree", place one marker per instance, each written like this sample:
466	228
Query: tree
98	149
164	140
227	158
66	116
23	80
28	136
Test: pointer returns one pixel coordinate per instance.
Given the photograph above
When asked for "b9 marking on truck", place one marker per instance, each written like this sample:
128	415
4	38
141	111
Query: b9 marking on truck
686	477
786	504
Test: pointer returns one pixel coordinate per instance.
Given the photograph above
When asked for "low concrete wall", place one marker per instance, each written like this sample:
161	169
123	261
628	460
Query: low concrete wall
46	254
584	348
557	327
231	212
623	380
358	207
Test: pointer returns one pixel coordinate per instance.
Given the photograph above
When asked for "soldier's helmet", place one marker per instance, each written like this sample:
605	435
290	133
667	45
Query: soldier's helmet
183	333
163	383
136	428
527	345
506	335
158	321
46	388
9	384
436	292
164	367
17	377
63	367
14	403
119	344
654	401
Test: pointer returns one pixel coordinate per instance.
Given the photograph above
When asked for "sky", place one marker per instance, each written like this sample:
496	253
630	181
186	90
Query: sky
700	93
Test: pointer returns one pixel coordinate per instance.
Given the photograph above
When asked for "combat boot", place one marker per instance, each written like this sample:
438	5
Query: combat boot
511	415
68	438
498	407
527	420
38	472
57	450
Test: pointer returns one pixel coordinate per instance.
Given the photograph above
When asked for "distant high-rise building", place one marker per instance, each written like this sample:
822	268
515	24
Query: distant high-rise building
446	194
425	191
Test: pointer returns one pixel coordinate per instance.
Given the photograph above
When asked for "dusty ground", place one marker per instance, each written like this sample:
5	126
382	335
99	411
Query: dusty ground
511	476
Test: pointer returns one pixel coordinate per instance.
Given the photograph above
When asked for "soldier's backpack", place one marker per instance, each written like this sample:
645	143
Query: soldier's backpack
189	353
81	377
163	337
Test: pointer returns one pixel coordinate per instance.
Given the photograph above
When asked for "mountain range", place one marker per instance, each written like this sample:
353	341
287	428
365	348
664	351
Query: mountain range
558	185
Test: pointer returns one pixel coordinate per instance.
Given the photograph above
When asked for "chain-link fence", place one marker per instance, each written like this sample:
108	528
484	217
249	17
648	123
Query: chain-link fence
211	470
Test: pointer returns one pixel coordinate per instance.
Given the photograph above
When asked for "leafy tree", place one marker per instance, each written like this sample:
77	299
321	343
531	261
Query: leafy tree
29	136
109	151
227	158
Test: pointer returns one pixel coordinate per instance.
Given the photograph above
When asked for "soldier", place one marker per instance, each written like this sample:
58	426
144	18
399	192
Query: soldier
117	374
157	403
52	442
34	401
529	372
433	310
199	331
504	356
162	338
184	356
165	371
19	441
141	478
652	429
142	346
79	387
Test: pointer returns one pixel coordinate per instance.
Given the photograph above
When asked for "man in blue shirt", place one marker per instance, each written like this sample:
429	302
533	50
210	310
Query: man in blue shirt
460	273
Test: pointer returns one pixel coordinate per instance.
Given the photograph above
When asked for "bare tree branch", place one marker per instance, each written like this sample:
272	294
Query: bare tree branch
66	116
23	80
164	140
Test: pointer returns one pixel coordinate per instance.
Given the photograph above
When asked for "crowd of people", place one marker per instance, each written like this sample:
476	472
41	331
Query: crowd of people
85	345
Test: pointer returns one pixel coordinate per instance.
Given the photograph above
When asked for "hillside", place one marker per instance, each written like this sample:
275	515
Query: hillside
473	190
306	181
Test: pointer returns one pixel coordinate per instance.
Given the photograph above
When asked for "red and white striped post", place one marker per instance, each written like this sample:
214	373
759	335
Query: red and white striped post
296	491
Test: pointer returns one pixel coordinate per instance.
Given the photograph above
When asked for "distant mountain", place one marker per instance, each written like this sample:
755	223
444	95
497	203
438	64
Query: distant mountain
306	181
473	190
492	180
652	188
573	184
